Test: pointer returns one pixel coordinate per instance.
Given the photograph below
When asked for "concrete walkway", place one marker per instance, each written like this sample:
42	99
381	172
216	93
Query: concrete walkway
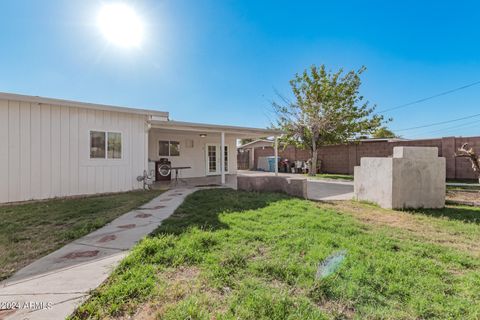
63	279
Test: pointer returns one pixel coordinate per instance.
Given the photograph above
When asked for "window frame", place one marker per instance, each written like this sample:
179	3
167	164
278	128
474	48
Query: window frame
107	132
169	147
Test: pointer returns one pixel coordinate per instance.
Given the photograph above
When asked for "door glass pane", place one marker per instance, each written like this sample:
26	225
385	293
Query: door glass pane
97	144
174	148
163	148
225	158
114	145
212	158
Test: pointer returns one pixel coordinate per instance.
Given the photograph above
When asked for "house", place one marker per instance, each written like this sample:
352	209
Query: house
246	152
58	148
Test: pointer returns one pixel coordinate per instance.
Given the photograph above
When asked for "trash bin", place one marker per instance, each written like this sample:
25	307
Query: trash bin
271	163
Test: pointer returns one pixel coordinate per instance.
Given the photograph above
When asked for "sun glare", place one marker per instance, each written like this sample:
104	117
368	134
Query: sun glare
121	25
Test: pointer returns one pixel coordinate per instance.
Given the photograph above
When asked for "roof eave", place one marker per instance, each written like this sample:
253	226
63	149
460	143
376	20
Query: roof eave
203	127
70	103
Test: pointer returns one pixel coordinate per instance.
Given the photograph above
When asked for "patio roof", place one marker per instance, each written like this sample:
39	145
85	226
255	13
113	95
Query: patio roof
240	132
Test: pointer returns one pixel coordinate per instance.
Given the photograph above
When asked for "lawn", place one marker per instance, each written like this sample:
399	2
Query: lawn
228	254
31	230
331	176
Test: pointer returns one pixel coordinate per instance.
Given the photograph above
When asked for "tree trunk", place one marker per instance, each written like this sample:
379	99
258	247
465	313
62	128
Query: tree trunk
313	165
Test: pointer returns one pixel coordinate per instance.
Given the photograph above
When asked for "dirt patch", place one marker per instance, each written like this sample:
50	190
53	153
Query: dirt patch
107	238
179	283
143	215
81	254
152	208
127	226
463	195
337	310
378	217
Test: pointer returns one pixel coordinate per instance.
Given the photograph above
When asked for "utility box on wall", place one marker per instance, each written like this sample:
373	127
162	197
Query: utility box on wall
413	178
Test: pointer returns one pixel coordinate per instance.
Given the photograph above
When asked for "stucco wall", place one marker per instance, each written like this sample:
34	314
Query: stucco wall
191	157
44	151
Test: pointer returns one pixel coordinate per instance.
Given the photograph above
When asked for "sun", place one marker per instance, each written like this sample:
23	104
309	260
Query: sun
121	25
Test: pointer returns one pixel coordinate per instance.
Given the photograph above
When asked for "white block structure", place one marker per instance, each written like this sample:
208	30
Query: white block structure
413	178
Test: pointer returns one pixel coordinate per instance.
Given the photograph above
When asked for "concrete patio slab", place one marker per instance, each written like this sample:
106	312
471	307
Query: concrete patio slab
329	190
53	286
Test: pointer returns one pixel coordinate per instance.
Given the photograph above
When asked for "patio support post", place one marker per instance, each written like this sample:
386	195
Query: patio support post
276	155
222	157
252	159
147	131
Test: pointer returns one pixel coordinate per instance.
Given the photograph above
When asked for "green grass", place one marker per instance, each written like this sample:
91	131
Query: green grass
463	188
31	230
331	176
472	181
473	187
228	254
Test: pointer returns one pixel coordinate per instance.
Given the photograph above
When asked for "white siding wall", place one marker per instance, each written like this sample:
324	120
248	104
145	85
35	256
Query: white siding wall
44	151
192	157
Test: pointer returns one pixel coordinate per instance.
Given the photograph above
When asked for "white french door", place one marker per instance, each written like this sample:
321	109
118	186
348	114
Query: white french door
213	158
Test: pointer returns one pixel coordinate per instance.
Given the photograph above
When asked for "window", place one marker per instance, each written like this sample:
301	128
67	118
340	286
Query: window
174	148
163	148
114	145
105	145
97	145
225	154
168	148
212	158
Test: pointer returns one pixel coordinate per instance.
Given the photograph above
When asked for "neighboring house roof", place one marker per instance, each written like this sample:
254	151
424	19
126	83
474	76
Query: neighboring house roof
68	103
380	140
260	142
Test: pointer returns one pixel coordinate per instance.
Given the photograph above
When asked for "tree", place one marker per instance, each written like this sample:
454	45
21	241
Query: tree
384	132
327	109
466	152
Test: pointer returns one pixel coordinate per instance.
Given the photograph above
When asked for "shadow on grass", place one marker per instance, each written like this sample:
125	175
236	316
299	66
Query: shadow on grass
202	208
461	213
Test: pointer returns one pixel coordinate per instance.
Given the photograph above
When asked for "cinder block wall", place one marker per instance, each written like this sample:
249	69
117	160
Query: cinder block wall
343	158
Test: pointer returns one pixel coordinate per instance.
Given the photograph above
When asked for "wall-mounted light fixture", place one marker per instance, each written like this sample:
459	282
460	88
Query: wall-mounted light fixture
202	135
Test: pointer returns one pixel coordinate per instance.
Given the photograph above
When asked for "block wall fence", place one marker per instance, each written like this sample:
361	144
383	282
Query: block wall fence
342	158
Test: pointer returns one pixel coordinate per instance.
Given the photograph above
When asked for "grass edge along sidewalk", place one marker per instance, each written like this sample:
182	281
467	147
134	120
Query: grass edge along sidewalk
31	230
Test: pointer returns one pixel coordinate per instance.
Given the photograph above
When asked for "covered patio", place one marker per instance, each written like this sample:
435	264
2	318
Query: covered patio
198	154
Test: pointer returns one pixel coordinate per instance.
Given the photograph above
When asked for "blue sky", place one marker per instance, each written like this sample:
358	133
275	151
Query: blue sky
221	61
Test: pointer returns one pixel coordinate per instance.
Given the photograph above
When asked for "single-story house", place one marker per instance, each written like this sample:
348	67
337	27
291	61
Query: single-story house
58	148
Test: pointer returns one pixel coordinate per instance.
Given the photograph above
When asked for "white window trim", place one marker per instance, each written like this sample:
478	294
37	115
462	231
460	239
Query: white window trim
106	144
169	141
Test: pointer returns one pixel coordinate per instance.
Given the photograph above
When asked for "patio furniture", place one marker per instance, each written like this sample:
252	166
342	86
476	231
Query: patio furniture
176	172
162	170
